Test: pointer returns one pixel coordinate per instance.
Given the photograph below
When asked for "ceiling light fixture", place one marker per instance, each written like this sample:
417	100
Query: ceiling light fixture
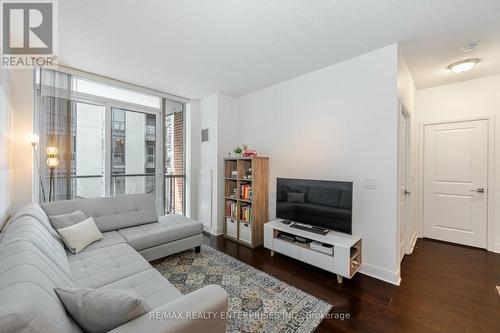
464	65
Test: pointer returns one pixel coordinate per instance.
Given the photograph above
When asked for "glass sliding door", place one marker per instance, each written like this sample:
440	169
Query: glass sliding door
88	152
175	178
133	152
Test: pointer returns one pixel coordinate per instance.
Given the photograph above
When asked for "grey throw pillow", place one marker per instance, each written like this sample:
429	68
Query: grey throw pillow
66	220
98	310
295	197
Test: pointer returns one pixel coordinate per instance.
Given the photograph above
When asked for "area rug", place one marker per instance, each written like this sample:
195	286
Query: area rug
258	302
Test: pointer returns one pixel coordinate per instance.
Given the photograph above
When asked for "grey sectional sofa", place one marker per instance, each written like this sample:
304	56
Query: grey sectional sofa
33	261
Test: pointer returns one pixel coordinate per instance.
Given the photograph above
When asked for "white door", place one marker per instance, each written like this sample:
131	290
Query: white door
455	179
403	180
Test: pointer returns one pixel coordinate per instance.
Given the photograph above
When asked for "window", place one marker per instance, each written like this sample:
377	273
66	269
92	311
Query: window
175	178
87	161
92	88
133	163
108	141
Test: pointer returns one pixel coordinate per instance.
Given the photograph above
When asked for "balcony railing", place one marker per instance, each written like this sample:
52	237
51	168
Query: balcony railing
175	195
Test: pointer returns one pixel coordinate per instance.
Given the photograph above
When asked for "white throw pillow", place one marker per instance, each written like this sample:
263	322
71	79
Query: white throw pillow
80	235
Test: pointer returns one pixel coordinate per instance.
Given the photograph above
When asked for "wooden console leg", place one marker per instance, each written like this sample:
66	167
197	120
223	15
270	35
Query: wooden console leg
197	249
340	279
272	253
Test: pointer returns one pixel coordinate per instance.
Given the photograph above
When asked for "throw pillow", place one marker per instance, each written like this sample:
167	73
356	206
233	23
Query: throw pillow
66	220
98	310
295	197
80	235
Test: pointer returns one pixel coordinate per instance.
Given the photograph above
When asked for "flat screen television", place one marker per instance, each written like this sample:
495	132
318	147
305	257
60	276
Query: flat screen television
321	203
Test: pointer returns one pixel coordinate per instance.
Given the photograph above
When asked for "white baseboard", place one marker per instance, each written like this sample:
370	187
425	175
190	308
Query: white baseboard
413	241
211	231
381	274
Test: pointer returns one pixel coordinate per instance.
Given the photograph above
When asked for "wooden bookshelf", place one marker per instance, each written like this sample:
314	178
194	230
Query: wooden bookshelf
241	174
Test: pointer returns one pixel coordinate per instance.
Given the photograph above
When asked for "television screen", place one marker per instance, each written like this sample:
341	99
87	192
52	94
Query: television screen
321	203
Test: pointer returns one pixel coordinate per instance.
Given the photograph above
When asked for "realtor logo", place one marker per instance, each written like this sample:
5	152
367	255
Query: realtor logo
27	34
27	28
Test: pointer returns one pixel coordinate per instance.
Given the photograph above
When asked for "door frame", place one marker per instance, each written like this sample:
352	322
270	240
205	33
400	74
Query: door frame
403	110
490	241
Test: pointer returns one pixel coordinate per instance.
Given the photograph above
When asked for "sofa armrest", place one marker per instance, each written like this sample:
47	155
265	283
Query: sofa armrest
184	314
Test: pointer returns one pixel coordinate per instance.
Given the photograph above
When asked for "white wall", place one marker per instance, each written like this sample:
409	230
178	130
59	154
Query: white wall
6	135
207	194
229	130
458	101
22	82
406	94
338	123
220	114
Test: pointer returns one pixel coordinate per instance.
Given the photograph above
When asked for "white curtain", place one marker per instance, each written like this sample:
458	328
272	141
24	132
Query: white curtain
54	113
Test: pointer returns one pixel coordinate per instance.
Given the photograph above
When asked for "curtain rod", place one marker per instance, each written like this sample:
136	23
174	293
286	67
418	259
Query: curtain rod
119	83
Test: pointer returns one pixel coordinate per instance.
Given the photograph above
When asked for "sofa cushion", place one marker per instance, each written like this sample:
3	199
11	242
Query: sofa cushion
67	220
110	238
98	267
110	213
170	228
36	212
324	196
27	233
31	266
150	285
99	311
79	236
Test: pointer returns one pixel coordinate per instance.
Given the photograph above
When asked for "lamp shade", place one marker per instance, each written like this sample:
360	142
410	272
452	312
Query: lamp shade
51	151
52	162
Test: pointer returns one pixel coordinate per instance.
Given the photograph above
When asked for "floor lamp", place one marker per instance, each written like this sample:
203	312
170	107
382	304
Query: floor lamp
52	163
33	140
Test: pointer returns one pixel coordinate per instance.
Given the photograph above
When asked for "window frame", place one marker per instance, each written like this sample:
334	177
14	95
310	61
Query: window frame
184	150
109	103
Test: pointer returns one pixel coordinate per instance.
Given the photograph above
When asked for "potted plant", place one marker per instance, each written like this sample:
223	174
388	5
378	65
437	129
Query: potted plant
238	150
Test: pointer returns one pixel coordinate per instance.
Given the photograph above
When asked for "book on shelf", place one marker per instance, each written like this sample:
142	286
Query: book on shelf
232	209
246	192
246	214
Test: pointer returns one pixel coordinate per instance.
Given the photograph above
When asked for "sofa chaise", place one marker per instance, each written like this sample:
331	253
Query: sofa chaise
33	261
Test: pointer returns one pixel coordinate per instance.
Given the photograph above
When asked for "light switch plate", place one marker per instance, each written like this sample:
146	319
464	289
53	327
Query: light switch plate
370	184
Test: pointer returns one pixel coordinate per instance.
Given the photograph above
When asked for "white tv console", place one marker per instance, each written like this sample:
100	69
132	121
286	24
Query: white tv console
342	263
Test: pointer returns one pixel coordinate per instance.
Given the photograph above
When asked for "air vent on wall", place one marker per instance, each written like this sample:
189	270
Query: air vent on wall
204	135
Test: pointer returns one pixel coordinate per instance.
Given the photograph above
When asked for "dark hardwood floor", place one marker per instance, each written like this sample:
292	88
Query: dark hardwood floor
444	288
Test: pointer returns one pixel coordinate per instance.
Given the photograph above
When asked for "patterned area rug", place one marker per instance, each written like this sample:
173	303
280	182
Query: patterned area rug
258	302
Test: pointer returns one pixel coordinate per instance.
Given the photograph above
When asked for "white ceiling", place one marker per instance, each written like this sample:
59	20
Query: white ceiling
196	47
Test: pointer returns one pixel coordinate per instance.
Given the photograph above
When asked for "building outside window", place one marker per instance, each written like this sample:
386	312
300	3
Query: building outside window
83	117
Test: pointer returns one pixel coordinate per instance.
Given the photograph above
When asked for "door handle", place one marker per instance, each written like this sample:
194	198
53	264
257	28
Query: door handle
478	190
407	192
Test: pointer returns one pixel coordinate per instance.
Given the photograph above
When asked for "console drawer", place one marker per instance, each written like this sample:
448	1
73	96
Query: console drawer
231	227
245	232
317	259
286	248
